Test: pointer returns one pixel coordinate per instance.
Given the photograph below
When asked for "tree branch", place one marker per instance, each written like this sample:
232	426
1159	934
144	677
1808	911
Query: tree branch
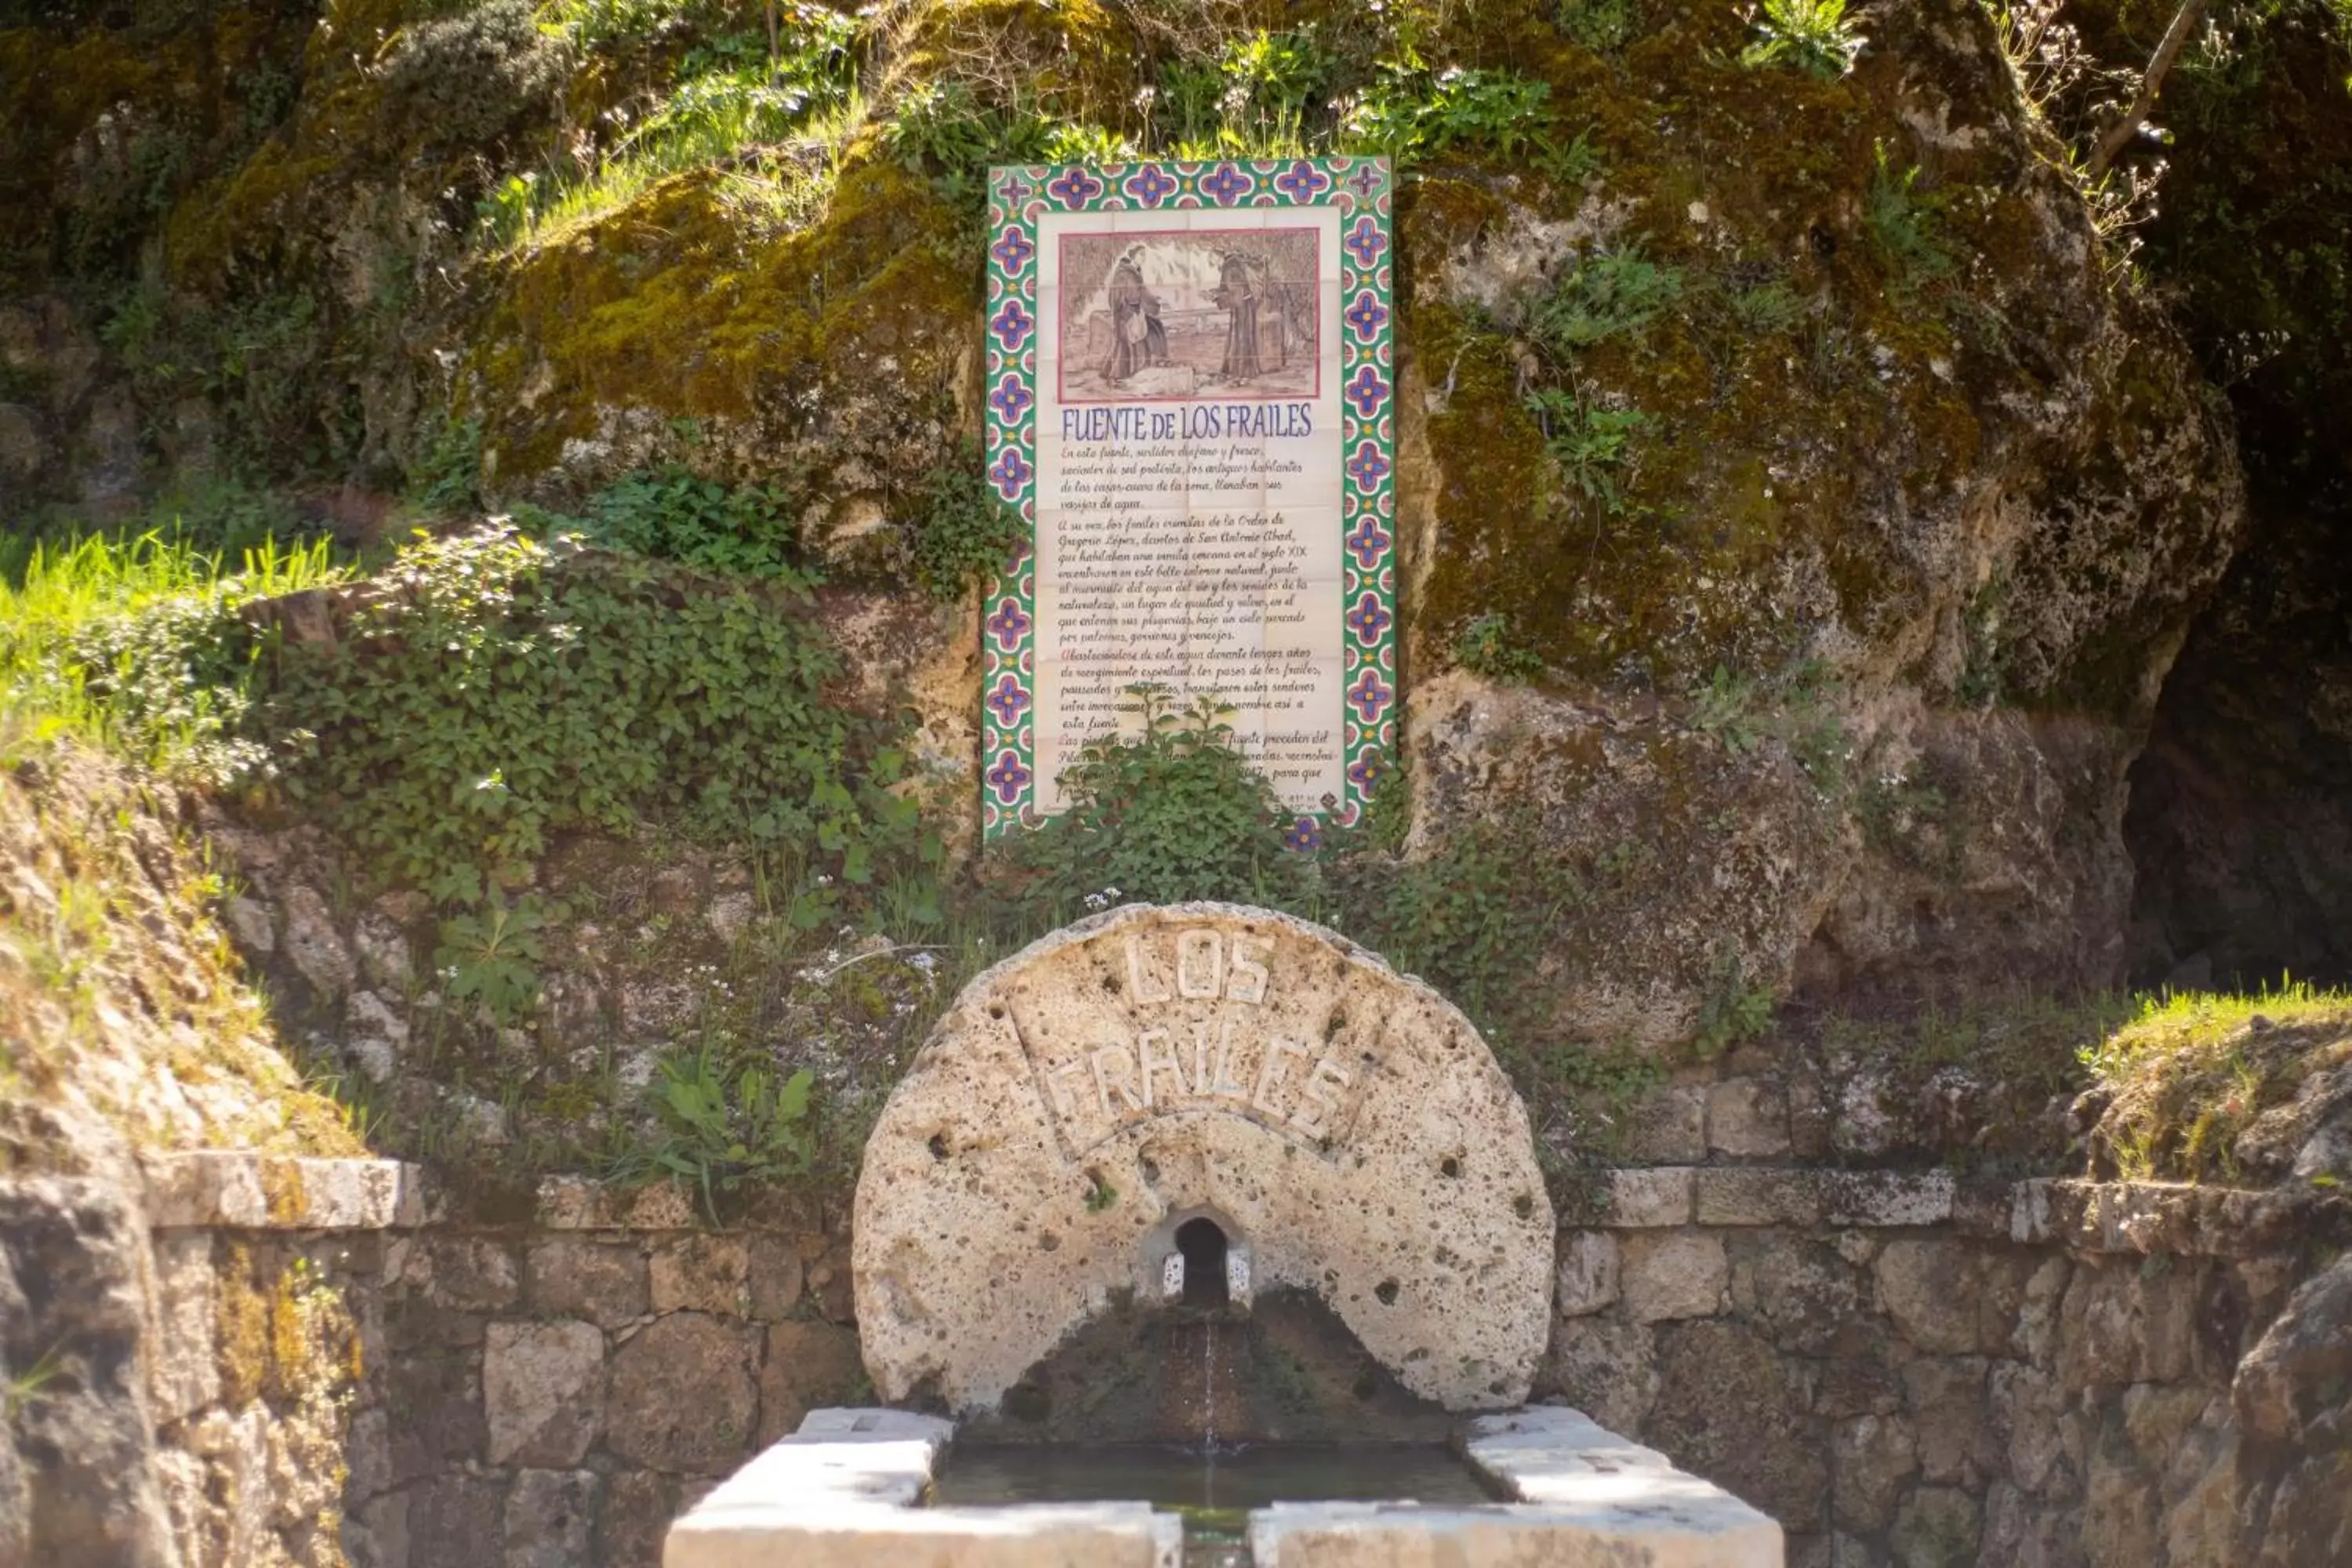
2168	49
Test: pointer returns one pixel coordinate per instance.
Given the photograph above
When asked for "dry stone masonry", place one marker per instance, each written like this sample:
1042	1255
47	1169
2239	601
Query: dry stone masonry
1343	1126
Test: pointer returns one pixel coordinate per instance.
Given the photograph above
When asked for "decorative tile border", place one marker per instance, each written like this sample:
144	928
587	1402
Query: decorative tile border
1360	189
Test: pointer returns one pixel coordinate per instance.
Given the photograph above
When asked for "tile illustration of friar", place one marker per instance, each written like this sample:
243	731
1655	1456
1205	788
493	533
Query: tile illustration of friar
1169	316
1240	284
1139	340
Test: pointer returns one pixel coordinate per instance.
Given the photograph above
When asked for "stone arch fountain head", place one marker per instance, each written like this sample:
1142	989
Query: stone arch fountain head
1085	1106
1205	1251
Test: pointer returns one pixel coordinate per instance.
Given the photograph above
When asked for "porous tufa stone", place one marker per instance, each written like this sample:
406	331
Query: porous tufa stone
1342	1123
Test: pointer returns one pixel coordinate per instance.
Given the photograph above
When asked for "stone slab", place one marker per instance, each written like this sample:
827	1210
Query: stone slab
2145	1217
1646	1198
1587	1496
240	1190
842	1493
1738	1194
1344	1124
1886	1197
580	1203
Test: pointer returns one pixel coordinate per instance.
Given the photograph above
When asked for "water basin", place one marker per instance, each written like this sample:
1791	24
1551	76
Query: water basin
1213	1491
882	1488
1178	1479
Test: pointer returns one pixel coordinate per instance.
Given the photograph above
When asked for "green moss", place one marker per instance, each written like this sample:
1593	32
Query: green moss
673	303
282	1192
1748	452
1085	58
242	1314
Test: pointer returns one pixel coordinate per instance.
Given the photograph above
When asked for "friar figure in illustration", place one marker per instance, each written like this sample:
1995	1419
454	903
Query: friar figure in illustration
1238	290
1138	338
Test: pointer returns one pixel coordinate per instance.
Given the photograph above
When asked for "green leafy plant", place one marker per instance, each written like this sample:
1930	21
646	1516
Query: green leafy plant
488	690
671	513
1257	98
448	474
1725	708
492	955
1416	115
1604	295
723	1131
1902	223
1460	915
1603	26
1570	163
1489	645
1590	444
1732	1010
1764	310
1810	35
1164	811
966	533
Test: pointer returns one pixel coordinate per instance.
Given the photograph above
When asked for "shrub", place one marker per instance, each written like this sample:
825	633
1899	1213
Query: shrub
671	514
1167	812
470	77
488	691
1465	916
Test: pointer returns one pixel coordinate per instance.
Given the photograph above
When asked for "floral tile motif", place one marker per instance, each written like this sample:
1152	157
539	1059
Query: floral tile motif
1360	189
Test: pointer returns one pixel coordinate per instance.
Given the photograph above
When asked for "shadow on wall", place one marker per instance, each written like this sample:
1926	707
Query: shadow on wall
2240	826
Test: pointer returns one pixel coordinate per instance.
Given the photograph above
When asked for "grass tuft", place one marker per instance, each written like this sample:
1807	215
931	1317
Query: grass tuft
2193	1073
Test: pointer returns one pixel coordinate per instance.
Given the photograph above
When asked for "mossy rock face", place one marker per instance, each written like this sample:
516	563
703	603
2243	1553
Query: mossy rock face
1828	482
834	353
1853	656
1904	452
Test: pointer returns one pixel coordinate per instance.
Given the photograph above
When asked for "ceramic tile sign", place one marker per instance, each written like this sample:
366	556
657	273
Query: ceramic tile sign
1191	399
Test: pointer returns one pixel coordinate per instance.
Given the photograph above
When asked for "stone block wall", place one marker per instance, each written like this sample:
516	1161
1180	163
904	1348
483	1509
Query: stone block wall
302	1363
184	1373
1910	1370
556	1391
